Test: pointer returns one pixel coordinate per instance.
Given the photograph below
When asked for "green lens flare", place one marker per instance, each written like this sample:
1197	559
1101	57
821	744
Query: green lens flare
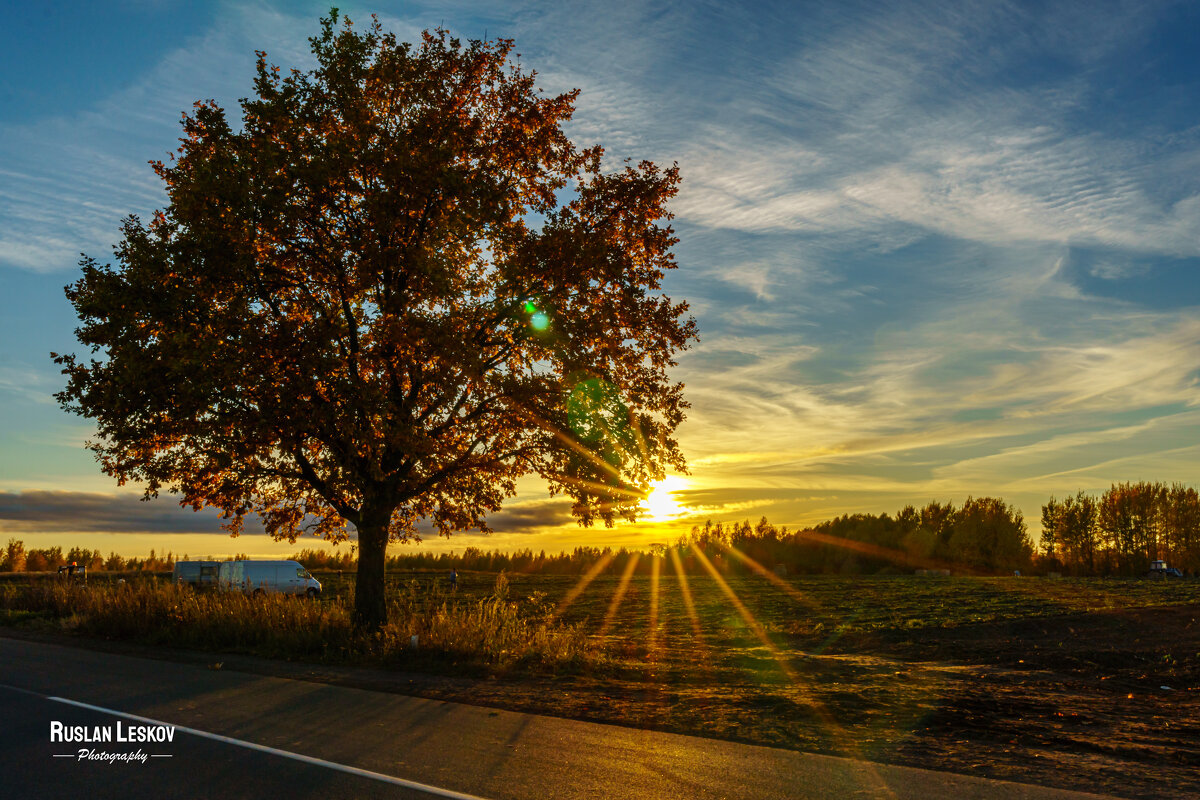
539	321
530	307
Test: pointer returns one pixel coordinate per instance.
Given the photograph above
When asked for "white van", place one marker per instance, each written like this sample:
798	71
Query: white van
200	574
267	577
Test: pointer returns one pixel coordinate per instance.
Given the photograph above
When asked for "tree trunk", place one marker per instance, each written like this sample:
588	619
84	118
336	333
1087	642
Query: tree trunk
370	598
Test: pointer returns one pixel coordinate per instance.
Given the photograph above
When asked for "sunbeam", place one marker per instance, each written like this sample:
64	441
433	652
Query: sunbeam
835	730
583	582
759	631
652	623
619	594
779	582
899	557
600	487
686	592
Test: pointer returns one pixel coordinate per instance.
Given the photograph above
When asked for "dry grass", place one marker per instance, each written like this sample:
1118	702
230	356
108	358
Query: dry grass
494	631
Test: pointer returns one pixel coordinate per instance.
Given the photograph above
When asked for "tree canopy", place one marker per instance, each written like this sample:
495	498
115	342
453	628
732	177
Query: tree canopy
1123	530
396	289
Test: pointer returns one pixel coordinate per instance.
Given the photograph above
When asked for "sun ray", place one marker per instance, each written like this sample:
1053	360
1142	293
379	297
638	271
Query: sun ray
566	439
601	487
844	741
779	582
900	557
622	587
686	592
759	631
638	437
652	623
583	582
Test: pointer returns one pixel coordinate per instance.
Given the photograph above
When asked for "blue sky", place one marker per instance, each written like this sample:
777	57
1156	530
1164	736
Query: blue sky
934	249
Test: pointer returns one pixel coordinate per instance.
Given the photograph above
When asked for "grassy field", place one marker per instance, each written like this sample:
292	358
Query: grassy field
1083	683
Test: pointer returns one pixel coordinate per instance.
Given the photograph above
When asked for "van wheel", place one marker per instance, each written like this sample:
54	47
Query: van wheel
257	593
311	594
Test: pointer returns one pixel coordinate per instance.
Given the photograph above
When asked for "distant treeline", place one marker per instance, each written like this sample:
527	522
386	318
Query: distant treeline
1118	533
1123	530
16	558
984	535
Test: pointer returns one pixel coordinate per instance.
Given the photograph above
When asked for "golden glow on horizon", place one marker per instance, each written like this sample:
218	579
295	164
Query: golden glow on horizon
662	502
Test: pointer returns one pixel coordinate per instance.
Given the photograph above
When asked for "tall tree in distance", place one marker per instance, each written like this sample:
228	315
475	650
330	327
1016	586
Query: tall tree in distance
1182	525
395	290
1129	518
1069	532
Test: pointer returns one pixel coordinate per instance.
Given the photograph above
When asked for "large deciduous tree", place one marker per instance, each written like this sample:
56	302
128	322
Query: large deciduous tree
395	290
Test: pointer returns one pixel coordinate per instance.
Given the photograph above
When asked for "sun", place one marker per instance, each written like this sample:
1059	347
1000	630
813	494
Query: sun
661	502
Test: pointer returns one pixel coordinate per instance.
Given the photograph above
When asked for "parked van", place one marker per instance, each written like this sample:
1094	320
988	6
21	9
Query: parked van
267	577
200	574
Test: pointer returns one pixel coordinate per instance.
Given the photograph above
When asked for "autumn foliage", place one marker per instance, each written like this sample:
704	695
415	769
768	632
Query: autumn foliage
1124	529
395	290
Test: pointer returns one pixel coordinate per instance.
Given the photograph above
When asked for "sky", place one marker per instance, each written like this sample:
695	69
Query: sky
934	249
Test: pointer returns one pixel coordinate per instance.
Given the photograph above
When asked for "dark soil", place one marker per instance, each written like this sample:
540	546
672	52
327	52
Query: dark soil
1105	702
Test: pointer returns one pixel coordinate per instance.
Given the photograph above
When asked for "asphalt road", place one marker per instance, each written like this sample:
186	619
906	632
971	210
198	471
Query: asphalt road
254	736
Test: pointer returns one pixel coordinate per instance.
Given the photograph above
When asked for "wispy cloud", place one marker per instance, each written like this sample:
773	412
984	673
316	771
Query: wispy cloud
882	216
69	180
886	120
26	384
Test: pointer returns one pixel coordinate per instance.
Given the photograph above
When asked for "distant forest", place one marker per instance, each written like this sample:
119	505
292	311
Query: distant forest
1118	533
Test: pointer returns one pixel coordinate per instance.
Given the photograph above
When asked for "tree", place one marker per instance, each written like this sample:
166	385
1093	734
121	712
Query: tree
1128	522
938	519
1069	532
1182	525
990	534
398	288
14	556
1052	534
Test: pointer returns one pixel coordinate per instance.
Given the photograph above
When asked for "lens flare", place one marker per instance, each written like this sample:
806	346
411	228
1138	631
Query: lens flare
539	321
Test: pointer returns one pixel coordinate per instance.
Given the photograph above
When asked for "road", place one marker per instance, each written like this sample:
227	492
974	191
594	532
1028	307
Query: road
245	735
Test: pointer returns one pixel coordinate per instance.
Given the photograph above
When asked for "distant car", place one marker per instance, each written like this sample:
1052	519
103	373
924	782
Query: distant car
200	574
267	577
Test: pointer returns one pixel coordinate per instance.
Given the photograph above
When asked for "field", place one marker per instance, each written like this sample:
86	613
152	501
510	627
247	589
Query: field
1078	683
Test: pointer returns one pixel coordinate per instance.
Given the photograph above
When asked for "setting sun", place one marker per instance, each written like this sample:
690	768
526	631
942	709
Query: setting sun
662	502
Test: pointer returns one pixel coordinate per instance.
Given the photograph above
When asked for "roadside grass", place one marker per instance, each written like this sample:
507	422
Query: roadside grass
490	632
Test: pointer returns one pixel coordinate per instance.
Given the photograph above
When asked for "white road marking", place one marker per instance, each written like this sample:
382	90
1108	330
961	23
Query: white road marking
319	762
